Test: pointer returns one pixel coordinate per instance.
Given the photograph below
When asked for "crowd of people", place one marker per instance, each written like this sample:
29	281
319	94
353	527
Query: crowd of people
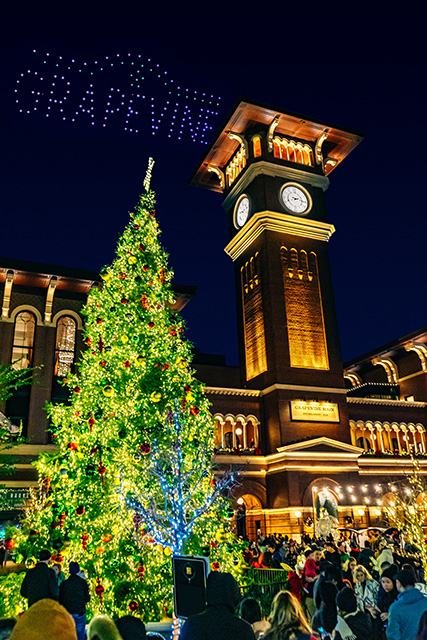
332	590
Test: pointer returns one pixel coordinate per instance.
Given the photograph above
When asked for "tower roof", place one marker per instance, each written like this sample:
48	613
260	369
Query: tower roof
246	113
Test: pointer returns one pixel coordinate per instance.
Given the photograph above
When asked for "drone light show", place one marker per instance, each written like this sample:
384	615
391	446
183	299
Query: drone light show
126	91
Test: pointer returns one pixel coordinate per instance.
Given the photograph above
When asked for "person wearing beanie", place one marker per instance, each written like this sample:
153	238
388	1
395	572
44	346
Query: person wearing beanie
352	624
40	582
418	585
131	628
103	628
387	594
74	595
405	613
218	620
44	620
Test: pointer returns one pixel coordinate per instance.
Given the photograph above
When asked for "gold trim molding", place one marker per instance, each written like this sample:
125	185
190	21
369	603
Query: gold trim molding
280	223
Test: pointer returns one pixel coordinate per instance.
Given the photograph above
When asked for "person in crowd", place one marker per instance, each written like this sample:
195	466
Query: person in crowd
276	558
366	556
74	595
419	570
384	554
218	620
45	620
325	617
352	624
323	566
405	613
287	619
387	594
40	582
344	556
348	572
103	628
309	576
6	627
2	553
422	628
131	628
418	585
332	554
250	611
366	588
60	576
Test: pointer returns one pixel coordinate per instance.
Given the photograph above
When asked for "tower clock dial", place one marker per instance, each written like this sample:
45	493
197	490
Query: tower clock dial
295	198
241	212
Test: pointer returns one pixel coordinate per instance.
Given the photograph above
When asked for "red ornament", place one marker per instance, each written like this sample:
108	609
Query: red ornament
141	571
124	300
91	422
85	540
102	469
99	590
165	366
122	275
152	213
180	330
101	345
76	413
99	320
133	605
62	520
141	247
136	227
144	302
145	448
88	340
145	267
72	446
80	510
162	276
9	543
151	324
194	411
127	363
103	363
215	566
172	331
77	389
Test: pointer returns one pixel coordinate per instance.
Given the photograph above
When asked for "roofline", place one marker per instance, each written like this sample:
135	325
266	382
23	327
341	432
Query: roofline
384	348
264	105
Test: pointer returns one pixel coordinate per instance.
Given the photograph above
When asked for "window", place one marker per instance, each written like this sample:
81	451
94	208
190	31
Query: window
23	340
256	142
65	345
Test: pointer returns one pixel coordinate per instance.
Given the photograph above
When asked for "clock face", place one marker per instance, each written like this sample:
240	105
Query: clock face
295	199
241	212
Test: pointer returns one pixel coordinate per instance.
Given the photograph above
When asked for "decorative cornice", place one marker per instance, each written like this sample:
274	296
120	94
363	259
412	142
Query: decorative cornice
280	223
262	167
256	393
301	387
222	391
386	402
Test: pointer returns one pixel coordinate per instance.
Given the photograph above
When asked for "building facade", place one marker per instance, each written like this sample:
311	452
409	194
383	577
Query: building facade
303	429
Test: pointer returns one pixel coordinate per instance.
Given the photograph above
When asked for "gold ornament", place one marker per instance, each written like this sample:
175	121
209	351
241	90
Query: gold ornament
132	259
108	391
156	396
124	338
140	360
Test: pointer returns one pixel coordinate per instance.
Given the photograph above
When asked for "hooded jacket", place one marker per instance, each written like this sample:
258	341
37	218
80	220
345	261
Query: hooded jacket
39	583
218	621
46	619
405	614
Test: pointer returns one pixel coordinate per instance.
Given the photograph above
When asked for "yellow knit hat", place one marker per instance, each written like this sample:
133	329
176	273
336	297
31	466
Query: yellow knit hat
45	620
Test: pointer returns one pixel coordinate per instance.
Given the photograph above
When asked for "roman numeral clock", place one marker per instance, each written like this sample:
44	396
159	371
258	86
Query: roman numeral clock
272	168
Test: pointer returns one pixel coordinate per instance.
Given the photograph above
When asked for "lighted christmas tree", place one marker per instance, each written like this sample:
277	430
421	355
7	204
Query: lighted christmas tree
138	428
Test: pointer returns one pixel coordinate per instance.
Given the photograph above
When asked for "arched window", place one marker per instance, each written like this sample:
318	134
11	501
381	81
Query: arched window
65	345
23	340
256	142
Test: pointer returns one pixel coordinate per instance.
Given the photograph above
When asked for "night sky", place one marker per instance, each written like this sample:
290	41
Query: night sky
67	187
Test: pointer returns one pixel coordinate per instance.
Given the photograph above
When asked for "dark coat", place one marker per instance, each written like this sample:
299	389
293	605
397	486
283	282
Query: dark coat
218	621
360	624
40	583
74	594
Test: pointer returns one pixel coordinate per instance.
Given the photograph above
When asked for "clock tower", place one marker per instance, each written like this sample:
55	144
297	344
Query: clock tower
272	168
